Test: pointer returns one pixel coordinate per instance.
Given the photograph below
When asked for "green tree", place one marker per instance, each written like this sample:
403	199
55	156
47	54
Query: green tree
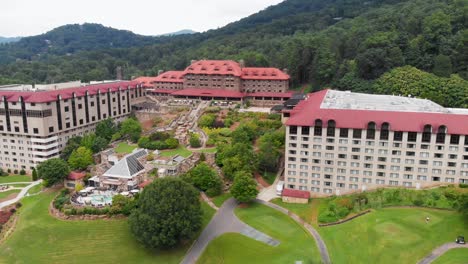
53	171
442	66
72	144
207	120
168	212
244	187
80	158
204	178
99	144
34	174
194	140
172	143
131	128
106	128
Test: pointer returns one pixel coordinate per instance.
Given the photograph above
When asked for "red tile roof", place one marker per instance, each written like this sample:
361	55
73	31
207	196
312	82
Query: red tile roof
171	77
209	93
50	96
145	80
270	94
264	74
307	111
211	67
76	175
164	91
296	193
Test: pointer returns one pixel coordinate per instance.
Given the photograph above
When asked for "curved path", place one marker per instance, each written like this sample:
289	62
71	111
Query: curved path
23	193
224	221
318	239
440	251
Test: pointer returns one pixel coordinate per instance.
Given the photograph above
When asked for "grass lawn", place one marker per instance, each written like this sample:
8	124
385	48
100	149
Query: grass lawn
40	238
35	189
392	235
304	211
182	151
207	150
6	193
19	185
453	256
125	148
269	177
296	243
220	199
15	178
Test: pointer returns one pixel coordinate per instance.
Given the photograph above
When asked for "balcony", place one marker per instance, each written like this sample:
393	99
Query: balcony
44	140
45	153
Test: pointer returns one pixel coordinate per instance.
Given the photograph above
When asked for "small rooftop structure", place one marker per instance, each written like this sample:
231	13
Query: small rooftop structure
76	175
296	193
128	166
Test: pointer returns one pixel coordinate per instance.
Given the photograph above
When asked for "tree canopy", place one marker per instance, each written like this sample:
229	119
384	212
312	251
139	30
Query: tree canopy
204	178
53	171
132	128
168	212
244	187
80	158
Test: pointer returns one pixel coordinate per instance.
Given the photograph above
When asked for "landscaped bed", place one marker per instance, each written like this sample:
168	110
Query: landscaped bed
296	243
5	194
40	238
392	235
125	148
182	151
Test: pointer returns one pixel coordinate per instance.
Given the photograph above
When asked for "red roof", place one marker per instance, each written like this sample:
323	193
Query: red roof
144	184
164	91
296	193
264	74
209	93
212	67
50	96
145	80
171	77
270	94
307	111
76	175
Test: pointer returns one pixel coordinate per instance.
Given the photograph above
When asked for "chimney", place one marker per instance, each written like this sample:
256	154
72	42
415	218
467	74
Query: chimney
285	70
119	73
160	72
242	63
192	62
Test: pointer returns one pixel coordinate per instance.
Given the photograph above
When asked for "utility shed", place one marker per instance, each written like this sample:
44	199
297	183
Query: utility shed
295	196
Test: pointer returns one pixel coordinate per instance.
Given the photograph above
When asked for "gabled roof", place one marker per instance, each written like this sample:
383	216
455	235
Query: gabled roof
128	166
264	74
170	77
218	67
76	175
147	80
50	96
296	193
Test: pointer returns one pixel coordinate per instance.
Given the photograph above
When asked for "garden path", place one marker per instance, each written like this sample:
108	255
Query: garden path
23	193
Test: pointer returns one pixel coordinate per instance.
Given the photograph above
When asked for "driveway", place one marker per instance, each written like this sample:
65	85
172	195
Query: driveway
224	221
440	251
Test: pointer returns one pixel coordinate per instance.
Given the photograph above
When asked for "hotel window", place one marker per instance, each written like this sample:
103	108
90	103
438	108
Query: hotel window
292	137
398	136
342	148
395	183
331	128
367	165
293	130
330	147
357	133
342	156
317	139
305	139
422	178
394	175
452	156
318	127
343	141
453	148
452	164
341	178
397	145
367	173
384	131
423	162
353	186
425	146
436	171
440	138
455	139
370	130
344	133
353	179
412	136
407	184
341	163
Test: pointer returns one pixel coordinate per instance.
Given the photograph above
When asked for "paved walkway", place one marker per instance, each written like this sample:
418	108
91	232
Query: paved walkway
269	193
23	193
318	239
440	251
224	221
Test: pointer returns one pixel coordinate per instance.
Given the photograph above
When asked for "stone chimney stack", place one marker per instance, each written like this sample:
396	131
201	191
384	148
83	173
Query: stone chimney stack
242	63
160	72
285	70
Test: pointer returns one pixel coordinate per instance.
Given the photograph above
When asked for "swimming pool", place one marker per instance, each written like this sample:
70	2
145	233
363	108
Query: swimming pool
99	199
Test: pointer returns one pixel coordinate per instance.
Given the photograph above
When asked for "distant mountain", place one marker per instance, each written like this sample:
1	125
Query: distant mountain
9	40
180	32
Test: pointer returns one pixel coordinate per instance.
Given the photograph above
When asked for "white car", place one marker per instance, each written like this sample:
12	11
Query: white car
279	188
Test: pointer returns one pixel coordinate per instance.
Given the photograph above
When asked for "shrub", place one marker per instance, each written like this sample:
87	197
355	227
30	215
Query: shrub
18	205
418	202
12	210
22	172
172	143
195	140
15	171
463	185
9	171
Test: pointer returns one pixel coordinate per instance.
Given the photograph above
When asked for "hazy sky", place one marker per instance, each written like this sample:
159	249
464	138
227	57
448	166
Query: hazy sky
147	17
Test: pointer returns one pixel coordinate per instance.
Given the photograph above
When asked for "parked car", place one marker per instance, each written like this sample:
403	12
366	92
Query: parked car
460	240
279	188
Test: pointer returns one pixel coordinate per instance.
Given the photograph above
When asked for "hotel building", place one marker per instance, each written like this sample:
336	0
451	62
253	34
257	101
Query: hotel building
35	125
341	142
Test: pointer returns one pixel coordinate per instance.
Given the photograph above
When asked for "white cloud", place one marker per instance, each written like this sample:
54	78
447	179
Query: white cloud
32	17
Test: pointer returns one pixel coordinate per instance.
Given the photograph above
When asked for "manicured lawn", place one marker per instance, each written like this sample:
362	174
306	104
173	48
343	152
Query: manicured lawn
453	256
392	235
40	238
6	193
35	189
19	185
207	150
125	148
15	178
182	151
220	199
296	244
304	211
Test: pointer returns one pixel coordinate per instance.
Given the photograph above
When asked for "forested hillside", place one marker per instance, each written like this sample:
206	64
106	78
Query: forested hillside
346	44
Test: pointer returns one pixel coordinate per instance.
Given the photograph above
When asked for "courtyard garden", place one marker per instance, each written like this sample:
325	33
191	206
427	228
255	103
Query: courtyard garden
41	238
295	243
125	148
